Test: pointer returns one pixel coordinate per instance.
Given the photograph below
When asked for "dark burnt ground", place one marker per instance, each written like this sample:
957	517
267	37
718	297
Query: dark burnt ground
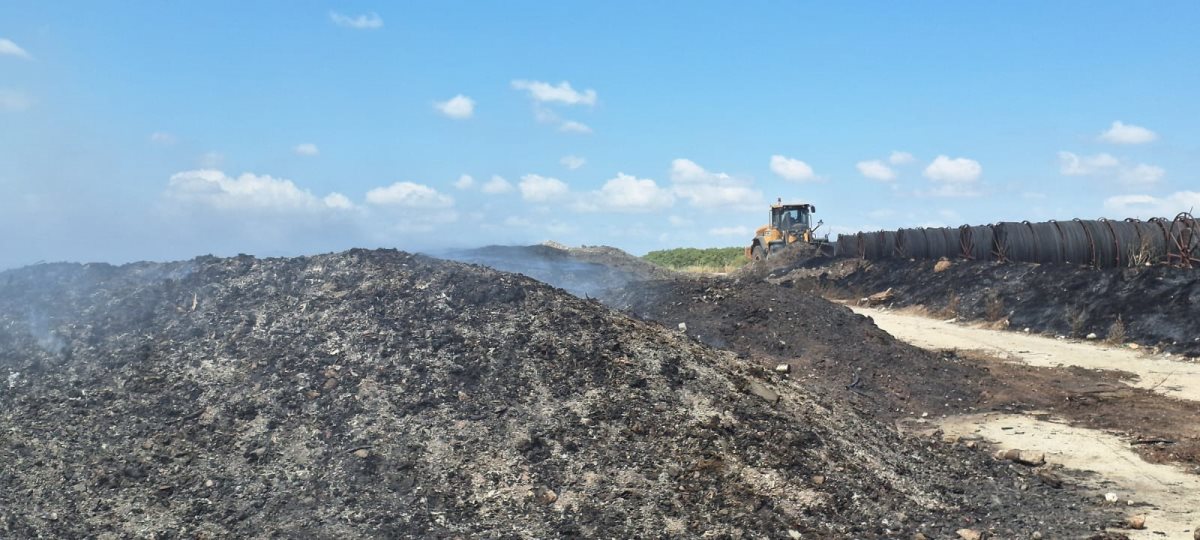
379	394
823	341
1159	305
830	347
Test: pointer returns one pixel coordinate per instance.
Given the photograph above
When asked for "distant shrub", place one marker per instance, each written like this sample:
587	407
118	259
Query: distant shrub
708	259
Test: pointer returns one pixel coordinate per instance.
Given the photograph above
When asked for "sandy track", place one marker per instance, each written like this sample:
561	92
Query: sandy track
1166	494
1173	377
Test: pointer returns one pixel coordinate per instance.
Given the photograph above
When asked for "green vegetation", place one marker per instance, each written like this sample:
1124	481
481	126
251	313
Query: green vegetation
699	260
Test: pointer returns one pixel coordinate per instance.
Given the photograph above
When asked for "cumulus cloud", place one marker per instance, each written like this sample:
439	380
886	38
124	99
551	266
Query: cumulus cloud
496	185
1141	174
956	177
627	193
705	189
163	138
540	189
459	107
409	195
1071	164
306	149
213	189
876	170
571	126
791	169
572	162
13	101
1147	206
954	170
8	48
464	182
901	158
561	93
1122	133
368	21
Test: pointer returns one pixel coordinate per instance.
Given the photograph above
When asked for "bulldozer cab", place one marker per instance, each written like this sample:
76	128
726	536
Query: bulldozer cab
792	217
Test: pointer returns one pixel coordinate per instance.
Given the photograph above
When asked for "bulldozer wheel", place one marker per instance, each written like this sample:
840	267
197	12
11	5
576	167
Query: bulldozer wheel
757	253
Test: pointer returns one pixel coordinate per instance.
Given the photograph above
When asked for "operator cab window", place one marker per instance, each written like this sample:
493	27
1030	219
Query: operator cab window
791	218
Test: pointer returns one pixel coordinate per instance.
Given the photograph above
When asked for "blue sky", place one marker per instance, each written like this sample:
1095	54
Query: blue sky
168	130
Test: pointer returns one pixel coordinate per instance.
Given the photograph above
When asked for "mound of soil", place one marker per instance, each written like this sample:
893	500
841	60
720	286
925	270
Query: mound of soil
828	342
582	271
1157	305
381	394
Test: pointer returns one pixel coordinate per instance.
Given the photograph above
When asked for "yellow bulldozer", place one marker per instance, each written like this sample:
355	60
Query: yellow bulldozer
790	223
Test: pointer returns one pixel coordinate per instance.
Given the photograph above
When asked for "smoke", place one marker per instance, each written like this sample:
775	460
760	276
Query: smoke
549	265
42	333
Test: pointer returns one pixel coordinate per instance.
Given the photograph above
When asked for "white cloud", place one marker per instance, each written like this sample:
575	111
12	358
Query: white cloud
163	138
497	185
8	48
458	107
571	126
704	189
212	188
306	149
537	188
572	162
1141	174
409	195
1146	206
464	182
14	101
1122	133
956	170
791	169
876	170
677	221
901	158
1070	164
560	93
627	193
369	21
739	230
956	177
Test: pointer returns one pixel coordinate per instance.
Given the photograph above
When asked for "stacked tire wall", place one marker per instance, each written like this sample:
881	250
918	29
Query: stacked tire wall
1101	243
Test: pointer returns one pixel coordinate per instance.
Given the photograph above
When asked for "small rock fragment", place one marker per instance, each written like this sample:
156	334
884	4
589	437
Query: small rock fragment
783	368
818	479
1110	497
1136	521
1091	335
683	327
362	452
919	536
1024	457
969	534
762	391
794	534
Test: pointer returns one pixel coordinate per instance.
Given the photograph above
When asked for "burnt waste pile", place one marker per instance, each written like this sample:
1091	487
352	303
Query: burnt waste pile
382	394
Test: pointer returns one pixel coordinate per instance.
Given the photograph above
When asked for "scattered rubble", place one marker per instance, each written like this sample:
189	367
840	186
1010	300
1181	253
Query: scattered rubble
381	394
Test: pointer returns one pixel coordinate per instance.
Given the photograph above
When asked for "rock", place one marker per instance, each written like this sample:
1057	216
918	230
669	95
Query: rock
1091	335
941	266
1110	497
783	368
1136	521
683	327
362	453
879	298
1024	457
1134	346
761	390
794	534
969	534
545	495
919	536
818	479
1037	535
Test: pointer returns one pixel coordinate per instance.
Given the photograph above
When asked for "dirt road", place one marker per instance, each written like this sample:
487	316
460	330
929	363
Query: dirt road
1168	495
1174	377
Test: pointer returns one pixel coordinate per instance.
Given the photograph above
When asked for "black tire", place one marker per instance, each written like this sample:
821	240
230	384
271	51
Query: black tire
757	253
